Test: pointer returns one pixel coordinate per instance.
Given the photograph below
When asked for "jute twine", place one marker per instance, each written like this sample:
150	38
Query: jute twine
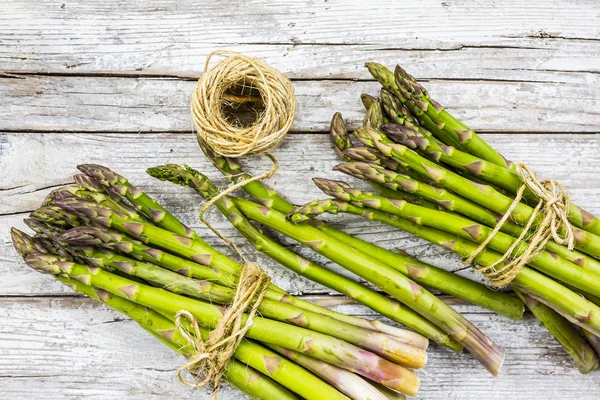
211	356
228	139
209	98
553	205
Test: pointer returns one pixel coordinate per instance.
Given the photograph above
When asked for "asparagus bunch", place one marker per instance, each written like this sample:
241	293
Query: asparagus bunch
439	180
239	373
108	239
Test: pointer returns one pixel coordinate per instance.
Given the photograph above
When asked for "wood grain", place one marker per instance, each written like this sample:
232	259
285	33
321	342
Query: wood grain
104	104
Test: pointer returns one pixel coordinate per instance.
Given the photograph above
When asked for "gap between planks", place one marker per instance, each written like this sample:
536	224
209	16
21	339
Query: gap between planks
16	74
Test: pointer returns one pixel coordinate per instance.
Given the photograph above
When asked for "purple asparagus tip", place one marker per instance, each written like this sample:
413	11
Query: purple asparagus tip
101	173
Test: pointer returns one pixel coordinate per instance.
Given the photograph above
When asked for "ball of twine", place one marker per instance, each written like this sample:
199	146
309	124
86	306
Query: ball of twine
210	99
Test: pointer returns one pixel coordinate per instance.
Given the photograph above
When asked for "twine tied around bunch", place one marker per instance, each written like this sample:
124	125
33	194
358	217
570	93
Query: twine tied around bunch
553	206
211	356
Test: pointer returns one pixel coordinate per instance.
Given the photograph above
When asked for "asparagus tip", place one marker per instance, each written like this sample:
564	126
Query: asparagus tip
22	242
339	134
84	236
169	172
179	174
101	173
333	188
367	100
46	263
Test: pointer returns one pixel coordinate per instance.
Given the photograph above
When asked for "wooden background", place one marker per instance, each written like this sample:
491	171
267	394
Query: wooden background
109	82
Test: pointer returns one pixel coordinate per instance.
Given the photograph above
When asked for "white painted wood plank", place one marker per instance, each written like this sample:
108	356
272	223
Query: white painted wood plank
524	60
30	163
73	348
76	348
143	105
546	54
306	39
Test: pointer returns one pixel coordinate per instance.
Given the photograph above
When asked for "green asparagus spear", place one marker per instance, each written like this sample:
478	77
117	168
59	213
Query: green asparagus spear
384	277
388	81
417	95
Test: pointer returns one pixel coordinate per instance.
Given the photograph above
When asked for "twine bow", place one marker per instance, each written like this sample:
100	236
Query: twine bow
553	205
209	362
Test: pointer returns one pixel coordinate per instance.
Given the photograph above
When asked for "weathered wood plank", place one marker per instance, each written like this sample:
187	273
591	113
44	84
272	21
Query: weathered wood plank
32	164
507	39
504	66
107	104
521	60
74	347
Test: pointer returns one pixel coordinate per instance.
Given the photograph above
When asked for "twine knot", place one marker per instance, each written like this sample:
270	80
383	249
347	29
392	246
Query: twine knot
211	96
209	362
553	205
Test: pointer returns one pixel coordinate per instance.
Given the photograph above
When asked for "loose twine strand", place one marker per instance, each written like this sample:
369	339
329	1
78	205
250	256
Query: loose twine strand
211	356
553	205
